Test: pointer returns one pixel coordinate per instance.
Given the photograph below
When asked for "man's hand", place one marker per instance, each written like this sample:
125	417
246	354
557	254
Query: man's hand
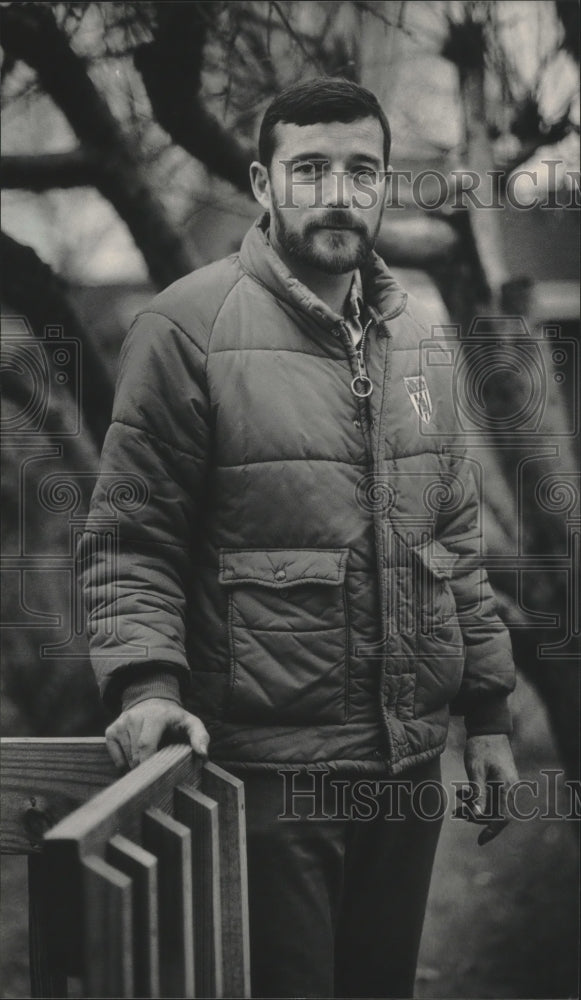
491	770
137	733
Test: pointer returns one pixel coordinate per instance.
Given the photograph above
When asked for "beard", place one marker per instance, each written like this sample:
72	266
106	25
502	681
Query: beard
331	250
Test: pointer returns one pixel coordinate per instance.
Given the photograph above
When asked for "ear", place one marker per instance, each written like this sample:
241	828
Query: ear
260	182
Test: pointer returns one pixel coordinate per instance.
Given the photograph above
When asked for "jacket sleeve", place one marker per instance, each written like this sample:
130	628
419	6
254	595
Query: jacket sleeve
489	672
134	555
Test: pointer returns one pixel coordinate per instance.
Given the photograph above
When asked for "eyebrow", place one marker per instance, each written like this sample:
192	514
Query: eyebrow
307	156
299	157
375	160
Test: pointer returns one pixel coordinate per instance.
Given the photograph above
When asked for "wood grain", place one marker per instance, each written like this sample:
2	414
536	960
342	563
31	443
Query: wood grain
171	842
67	795
108	951
201	815
42	781
228	792
141	867
116	810
45	981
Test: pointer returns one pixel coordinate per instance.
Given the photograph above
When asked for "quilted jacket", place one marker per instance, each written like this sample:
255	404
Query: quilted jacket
303	560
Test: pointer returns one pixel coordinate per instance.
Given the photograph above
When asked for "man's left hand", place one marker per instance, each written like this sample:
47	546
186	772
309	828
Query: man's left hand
491	769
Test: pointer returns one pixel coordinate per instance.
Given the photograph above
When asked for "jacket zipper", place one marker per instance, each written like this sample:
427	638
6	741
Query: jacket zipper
365	409
361	385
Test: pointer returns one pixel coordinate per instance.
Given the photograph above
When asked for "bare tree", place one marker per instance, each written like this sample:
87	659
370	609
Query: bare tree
206	70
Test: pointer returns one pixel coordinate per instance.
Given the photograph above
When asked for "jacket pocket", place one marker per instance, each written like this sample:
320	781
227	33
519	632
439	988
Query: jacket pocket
288	635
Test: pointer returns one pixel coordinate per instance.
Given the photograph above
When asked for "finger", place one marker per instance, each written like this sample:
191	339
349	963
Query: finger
132	738
503	802
124	740
468	803
149	739
478	802
463	812
116	751
197	735
491	831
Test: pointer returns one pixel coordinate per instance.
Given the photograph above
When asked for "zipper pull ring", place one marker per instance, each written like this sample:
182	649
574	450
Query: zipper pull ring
361	385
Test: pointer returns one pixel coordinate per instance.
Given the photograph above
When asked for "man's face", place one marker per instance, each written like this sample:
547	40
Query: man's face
325	190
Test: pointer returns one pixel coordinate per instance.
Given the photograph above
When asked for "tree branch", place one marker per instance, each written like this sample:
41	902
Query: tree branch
30	33
30	287
49	170
568	14
170	67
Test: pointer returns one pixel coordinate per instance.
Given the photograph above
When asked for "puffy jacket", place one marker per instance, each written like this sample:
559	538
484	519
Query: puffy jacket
306	562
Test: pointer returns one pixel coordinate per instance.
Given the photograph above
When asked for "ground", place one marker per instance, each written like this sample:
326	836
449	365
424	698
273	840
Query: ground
503	920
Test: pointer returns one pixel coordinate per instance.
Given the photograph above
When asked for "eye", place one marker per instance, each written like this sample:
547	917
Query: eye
365	173
308	168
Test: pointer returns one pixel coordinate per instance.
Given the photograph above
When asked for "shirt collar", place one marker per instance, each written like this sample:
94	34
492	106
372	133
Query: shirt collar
354	302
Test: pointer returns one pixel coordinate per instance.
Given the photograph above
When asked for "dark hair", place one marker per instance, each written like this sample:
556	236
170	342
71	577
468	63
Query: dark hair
321	100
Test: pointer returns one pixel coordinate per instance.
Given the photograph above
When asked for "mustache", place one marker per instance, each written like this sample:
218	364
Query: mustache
336	218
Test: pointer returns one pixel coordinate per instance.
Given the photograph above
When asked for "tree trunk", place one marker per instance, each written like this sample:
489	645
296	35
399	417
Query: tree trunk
171	67
30	288
31	33
535	457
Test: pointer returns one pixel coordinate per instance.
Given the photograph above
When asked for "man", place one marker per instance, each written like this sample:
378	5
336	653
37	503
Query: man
300	593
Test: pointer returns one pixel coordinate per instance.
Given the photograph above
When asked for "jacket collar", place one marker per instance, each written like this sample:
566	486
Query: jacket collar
381	291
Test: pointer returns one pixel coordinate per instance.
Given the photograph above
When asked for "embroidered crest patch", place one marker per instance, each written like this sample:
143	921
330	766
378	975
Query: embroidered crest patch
418	391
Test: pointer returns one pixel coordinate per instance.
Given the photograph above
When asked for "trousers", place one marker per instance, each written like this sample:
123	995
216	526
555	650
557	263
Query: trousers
339	870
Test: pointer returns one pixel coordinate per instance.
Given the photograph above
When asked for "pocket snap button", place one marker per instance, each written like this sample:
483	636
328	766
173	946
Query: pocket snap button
280	574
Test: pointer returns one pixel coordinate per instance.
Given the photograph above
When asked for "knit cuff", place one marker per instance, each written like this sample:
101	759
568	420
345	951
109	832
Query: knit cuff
162	685
489	716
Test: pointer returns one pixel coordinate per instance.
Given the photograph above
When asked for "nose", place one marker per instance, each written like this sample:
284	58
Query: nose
334	189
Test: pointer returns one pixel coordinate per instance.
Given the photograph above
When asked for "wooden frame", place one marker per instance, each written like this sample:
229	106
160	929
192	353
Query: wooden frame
137	884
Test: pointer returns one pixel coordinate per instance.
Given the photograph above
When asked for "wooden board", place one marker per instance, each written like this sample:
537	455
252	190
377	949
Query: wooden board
108	950
201	815
42	781
116	810
45	981
171	843
228	792
141	867
69	792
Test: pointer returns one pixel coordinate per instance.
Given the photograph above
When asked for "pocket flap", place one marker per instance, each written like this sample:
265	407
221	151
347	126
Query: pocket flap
438	559
282	567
